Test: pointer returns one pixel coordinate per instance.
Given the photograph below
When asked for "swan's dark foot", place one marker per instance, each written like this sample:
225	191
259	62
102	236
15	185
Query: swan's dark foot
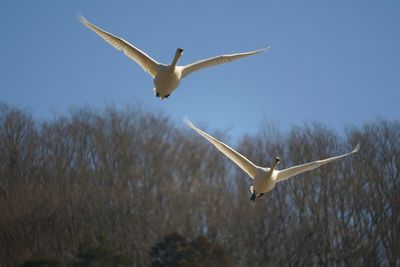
253	196
157	94
259	195
166	96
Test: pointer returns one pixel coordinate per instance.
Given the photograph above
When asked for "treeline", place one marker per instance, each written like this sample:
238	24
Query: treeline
130	188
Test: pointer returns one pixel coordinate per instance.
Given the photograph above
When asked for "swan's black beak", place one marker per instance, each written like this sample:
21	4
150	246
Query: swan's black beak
277	160
179	51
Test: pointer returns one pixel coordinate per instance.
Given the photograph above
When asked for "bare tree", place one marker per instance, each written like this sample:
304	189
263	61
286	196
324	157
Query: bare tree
132	177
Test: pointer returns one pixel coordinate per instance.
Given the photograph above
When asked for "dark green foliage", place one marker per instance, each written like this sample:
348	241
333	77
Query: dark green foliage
172	251
176	250
101	253
40	262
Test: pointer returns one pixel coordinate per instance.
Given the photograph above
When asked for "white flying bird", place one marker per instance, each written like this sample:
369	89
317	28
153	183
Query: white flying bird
264	179
166	78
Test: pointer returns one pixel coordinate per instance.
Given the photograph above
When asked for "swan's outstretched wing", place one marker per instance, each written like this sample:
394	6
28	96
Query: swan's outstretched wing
236	157
186	70
292	171
146	62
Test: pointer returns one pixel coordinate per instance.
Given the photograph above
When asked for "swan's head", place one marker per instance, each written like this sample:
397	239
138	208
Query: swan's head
275	163
179	52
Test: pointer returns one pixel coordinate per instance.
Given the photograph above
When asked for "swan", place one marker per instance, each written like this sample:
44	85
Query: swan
166	78
263	179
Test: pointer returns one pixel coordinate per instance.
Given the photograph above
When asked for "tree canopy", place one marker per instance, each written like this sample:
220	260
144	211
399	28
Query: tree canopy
156	193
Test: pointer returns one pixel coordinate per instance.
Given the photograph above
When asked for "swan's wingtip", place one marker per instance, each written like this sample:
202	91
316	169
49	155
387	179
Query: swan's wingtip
356	148
265	49
82	19
186	120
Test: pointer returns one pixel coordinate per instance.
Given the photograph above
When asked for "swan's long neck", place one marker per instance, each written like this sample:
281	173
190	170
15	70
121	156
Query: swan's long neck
275	163
175	60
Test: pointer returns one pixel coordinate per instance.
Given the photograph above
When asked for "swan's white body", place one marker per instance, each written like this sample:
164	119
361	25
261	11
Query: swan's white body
166	77
264	179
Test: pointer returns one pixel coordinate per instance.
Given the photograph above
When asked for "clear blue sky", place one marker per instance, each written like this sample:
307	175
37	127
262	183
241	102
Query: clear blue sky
336	62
